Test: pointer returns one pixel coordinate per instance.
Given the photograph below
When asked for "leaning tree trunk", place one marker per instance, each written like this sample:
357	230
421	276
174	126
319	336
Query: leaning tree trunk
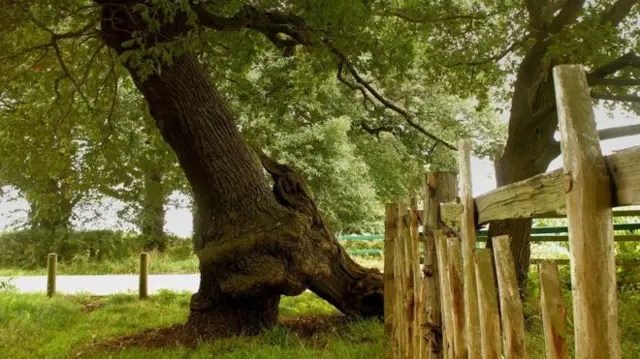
253	244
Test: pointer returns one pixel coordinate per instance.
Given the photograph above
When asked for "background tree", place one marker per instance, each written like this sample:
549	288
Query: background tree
253	244
508	49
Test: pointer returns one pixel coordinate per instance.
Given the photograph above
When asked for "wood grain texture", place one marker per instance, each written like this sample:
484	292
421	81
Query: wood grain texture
590	219
542	196
554	313
456	285
447	299
510	304
490	338
390	233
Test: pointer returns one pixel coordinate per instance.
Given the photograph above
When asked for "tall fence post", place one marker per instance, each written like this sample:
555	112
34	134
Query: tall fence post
52	267
591	236
439	187
487	305
401	326
390	234
144	275
510	304
457	302
554	313
468	237
414	277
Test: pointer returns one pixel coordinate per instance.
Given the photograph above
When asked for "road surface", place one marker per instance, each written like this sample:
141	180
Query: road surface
105	284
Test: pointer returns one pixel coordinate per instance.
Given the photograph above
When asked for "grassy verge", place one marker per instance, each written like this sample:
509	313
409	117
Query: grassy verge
33	326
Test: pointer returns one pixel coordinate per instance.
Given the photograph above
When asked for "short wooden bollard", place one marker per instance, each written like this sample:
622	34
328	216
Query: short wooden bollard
144	275
52	267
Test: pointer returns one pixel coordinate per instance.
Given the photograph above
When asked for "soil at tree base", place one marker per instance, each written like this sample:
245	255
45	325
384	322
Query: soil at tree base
304	327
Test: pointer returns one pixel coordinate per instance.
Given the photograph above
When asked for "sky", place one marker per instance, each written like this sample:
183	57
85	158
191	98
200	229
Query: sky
179	220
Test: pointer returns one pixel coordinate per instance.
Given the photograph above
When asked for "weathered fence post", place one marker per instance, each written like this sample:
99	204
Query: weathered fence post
447	298
554	313
390	233
52	267
588	197
468	237
415	278
487	305
401	301
510	304
144	275
439	187
454	252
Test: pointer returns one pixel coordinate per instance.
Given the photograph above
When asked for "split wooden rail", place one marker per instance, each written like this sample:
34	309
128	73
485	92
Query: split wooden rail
451	307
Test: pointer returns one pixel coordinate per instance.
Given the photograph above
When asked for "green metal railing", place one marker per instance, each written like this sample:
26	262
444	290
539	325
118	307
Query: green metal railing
482	236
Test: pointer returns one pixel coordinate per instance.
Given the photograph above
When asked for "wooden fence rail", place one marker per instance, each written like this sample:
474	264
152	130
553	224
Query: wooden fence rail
478	319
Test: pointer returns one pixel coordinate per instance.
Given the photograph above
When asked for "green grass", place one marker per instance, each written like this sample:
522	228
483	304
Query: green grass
34	326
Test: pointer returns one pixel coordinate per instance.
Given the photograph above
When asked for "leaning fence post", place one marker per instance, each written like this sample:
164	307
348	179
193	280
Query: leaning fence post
52	267
144	275
590	218
487	305
554	313
390	234
510	304
468	237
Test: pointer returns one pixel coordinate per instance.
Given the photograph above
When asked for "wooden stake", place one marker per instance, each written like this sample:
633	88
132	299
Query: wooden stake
390	234
488	305
439	187
415	281
457	302
52	268
588	196
554	313
468	237
144	275
447	310
510	304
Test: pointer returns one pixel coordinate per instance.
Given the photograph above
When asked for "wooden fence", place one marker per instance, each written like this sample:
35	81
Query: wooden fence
452	308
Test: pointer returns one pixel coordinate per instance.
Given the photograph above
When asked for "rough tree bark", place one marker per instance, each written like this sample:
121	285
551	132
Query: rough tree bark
253	244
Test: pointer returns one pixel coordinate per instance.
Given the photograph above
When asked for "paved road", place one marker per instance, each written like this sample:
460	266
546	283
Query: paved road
106	284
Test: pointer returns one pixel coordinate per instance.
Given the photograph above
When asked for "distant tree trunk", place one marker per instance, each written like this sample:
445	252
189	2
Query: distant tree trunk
50	209
253	244
153	213
529	150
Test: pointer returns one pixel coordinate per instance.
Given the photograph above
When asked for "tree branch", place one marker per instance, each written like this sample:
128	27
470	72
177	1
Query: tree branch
362	85
270	23
612	97
375	131
567	15
618	12
617	132
401	14
497	57
630	59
